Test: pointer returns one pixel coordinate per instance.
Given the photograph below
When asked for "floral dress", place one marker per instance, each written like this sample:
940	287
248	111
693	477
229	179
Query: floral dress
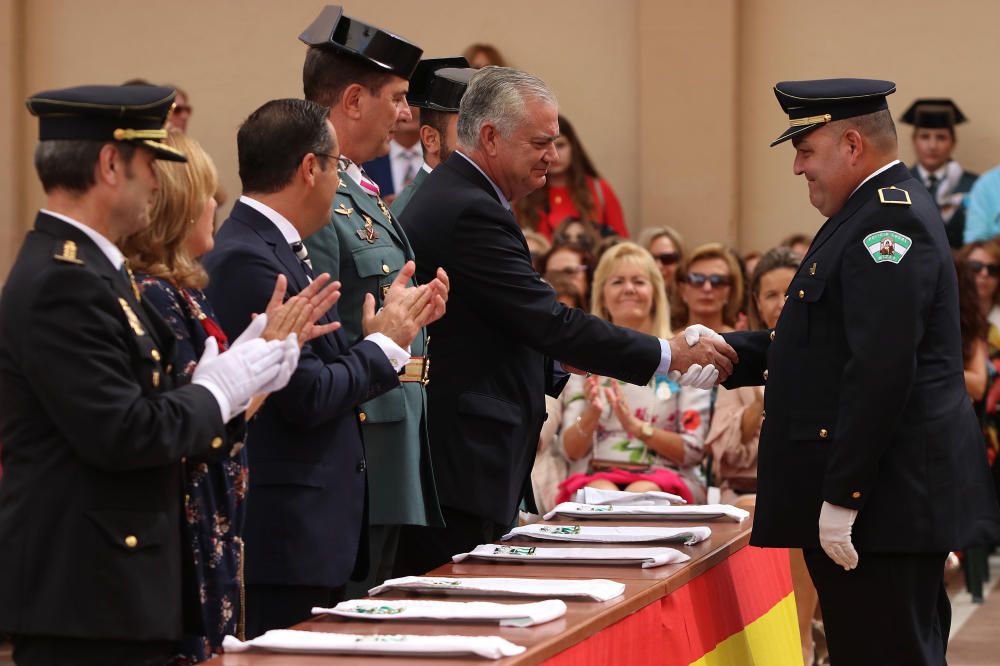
662	403
214	492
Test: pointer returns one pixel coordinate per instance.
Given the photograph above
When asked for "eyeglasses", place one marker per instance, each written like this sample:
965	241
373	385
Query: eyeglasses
716	281
976	267
667	258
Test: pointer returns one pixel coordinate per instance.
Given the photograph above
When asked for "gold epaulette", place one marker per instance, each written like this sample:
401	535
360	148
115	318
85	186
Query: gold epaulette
894	195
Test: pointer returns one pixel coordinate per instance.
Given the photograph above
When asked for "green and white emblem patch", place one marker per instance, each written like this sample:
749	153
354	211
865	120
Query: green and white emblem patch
887	246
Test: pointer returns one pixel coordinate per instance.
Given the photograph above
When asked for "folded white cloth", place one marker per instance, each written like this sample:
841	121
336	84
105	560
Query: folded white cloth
591	534
318	642
597	589
647	557
588	495
615	511
508	615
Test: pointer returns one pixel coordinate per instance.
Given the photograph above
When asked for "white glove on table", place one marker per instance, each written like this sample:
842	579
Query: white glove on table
835	523
703	377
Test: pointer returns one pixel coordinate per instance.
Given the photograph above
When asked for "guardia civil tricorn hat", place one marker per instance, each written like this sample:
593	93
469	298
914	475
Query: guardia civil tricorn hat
427	91
332	30
812	104
934	113
133	114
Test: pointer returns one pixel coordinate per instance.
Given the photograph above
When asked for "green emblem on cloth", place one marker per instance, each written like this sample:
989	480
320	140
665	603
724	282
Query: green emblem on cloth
377	610
514	550
560	529
887	246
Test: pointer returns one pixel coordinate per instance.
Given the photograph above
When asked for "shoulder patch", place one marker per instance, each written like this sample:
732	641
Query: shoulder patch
887	246
894	195
67	254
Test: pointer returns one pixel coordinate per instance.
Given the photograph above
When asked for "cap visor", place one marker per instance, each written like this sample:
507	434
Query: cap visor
164	152
795	131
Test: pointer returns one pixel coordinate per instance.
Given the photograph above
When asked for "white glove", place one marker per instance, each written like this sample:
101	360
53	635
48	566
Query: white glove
256	327
835	524
698	376
240	373
290	347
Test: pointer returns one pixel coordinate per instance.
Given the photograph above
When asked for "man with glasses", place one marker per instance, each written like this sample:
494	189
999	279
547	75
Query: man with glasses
871	458
362	73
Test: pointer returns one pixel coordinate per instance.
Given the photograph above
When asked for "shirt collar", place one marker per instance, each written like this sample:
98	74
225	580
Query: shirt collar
352	170
108	248
873	174
395	150
286	228
425	167
503	199
925	175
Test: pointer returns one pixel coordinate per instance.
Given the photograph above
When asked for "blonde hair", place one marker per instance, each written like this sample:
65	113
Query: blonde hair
718	251
631	253
185	189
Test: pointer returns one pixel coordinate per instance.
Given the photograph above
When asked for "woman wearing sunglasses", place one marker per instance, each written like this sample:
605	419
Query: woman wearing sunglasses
667	248
710	284
634	438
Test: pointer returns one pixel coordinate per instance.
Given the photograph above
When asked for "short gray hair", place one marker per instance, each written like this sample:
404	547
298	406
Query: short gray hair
496	95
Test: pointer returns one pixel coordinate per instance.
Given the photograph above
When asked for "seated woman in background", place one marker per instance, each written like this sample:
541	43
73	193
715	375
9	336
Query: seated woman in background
572	261
164	256
573	189
667	248
538	247
710	284
637	438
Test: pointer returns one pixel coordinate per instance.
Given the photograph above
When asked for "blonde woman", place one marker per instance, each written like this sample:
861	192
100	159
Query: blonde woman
710	284
165	258
636	438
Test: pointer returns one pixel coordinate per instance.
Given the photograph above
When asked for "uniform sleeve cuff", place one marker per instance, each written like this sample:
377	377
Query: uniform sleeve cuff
665	357
398	357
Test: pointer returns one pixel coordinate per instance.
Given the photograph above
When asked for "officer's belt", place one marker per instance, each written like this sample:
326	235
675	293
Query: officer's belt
416	370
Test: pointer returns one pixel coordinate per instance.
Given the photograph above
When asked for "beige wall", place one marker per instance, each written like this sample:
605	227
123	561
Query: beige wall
672	97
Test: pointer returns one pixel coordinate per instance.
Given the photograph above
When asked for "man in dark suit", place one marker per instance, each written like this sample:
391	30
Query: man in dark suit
492	355
305	531
93	430
870	457
934	142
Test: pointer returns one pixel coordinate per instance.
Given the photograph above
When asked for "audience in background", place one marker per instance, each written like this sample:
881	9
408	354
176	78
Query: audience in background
797	243
711	288
573	190
480	55
667	248
574	261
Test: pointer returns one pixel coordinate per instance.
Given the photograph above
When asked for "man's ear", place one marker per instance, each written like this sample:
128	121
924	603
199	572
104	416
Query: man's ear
352	101
430	139
109	168
854	143
309	169
489	139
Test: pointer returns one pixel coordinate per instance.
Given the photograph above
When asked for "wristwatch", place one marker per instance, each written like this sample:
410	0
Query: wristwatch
646	431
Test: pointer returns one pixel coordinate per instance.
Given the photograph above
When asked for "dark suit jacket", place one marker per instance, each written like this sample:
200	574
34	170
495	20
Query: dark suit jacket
306	498
93	435
490	353
380	170
865	403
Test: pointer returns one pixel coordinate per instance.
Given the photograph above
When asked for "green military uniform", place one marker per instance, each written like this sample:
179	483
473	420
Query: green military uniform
364	247
404	197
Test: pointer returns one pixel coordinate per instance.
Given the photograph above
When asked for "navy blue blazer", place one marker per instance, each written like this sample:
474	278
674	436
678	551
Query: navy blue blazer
306	503
380	170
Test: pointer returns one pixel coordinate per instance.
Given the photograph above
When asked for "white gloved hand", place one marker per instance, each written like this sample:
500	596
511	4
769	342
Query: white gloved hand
695	332
253	331
697	376
238	374
835	524
289	361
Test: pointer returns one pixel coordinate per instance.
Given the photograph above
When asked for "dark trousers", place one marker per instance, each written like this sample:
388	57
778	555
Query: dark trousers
383	541
891	609
53	651
281	606
422	549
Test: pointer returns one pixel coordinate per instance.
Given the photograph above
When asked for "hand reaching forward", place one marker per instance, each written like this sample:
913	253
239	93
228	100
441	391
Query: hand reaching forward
703	356
406	309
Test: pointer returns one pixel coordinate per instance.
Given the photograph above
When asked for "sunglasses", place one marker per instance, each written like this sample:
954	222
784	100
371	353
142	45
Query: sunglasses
667	258
976	267
570	270
716	281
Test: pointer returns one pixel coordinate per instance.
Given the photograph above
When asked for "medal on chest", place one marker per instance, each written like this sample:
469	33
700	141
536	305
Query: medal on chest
368	233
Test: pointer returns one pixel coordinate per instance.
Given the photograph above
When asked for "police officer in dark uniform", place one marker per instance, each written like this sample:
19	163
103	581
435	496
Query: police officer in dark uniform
93	430
870	455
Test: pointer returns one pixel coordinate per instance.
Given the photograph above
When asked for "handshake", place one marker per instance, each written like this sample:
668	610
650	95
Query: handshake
700	357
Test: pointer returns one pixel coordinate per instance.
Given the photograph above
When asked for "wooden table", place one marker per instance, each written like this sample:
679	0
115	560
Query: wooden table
582	620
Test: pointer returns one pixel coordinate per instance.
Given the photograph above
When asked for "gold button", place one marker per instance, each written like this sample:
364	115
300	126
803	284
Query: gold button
772	336
131	541
385	268
362	417
156	379
155	354
765	375
802	293
856	495
217	443
823	433
170	366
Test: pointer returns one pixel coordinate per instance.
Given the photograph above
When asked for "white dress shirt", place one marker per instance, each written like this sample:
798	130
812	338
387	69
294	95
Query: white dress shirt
403	161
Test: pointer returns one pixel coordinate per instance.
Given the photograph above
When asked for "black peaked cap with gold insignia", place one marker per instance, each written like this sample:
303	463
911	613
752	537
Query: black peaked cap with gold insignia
332	30
133	114
811	104
423	81
936	113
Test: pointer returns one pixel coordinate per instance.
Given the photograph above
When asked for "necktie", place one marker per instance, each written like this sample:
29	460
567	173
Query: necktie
411	171
303	256
932	185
